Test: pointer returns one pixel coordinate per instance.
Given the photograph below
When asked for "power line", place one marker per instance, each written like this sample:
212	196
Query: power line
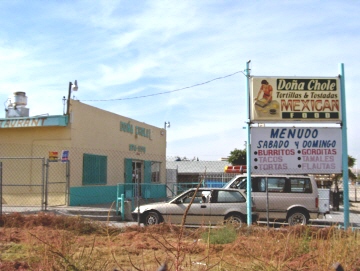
166	92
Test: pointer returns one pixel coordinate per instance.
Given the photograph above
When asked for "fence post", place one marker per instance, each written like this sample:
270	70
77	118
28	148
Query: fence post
43	170
122	199
45	202
67	190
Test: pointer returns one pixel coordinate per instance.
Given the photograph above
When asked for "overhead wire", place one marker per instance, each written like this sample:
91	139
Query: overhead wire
166	92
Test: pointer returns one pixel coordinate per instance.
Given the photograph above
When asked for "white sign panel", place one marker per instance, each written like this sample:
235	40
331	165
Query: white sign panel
275	99
301	150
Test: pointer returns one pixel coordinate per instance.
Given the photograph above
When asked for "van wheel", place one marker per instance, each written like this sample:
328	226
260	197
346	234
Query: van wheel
297	218
151	218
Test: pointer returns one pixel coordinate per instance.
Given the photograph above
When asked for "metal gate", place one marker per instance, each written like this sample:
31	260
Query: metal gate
31	184
57	183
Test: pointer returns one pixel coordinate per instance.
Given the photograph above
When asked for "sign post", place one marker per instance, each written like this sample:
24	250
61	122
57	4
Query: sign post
344	149
248	147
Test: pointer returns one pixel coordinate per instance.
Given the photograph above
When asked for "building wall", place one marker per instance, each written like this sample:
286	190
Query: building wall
104	132
93	126
89	130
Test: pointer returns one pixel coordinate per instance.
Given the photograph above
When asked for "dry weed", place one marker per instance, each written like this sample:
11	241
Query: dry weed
53	242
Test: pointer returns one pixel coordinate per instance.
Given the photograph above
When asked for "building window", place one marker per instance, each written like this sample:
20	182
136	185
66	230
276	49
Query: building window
155	172
94	169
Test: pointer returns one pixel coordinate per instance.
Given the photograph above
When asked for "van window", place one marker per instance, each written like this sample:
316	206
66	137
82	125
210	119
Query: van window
276	184
300	185
258	184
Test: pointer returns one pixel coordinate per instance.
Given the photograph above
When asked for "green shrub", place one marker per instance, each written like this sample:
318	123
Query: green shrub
222	235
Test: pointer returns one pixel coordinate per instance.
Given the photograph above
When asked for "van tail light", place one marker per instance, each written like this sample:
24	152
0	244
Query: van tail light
253	208
317	202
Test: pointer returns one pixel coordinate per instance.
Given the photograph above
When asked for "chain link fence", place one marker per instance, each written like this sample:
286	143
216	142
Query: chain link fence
30	184
29	181
23	183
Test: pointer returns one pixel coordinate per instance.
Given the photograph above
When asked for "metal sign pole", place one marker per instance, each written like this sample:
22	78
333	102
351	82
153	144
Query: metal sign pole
267	202
345	165
248	149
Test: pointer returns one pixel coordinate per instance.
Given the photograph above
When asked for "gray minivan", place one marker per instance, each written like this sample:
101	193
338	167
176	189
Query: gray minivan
293	198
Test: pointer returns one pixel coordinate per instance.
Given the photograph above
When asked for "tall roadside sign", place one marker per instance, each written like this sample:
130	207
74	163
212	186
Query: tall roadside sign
295	101
297	139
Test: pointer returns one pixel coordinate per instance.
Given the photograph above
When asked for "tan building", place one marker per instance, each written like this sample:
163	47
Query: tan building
82	157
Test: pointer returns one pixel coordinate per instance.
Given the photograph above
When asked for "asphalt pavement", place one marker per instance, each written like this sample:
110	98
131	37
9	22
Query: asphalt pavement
337	217
107	212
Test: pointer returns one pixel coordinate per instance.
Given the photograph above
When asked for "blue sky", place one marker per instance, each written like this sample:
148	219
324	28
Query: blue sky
120	50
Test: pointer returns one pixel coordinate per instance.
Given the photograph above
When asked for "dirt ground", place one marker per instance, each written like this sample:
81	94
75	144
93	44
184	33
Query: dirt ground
52	242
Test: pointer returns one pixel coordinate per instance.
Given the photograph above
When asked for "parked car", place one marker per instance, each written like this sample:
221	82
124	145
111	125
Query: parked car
291	198
210	206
